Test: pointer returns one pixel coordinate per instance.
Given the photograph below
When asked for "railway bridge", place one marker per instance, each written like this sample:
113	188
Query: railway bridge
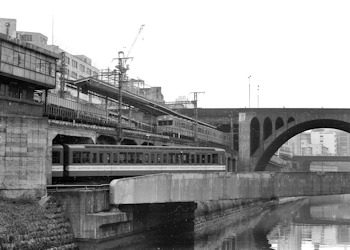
263	131
260	132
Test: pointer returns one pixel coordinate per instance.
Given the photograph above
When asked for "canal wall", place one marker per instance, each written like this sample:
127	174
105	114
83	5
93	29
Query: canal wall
93	218
28	224
201	198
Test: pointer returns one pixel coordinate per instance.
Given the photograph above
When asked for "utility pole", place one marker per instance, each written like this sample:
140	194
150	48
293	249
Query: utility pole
62	76
249	89
122	68
195	100
258	96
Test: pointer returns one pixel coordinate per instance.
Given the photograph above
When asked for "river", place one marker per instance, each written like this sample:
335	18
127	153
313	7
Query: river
311	223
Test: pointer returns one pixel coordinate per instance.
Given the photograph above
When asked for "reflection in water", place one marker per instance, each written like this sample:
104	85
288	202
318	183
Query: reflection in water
314	223
323	223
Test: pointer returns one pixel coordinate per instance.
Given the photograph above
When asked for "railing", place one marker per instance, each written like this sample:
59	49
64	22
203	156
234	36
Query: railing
60	187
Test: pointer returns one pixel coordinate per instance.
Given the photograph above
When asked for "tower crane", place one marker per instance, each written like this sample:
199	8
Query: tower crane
137	36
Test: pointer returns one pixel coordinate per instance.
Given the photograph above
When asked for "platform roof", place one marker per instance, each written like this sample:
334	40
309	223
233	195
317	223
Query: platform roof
105	89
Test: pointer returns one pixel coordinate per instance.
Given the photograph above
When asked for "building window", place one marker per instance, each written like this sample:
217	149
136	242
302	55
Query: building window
74	75
88	71
74	64
27	38
18	59
67	60
82	68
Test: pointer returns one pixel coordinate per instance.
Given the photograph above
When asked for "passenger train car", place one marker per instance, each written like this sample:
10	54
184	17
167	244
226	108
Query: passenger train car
285	152
177	127
90	160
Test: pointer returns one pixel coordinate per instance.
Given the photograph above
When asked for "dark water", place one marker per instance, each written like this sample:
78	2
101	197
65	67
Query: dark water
312	223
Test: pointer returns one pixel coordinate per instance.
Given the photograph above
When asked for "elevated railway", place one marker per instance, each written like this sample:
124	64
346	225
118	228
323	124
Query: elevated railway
104	114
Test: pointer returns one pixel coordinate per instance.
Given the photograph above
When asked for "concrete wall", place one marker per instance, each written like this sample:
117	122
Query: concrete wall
89	212
25	150
164	188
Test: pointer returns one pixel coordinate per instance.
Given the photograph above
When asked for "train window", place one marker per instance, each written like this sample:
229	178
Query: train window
94	157
122	157
108	157
215	158
85	157
56	155
76	157
139	157
159	159
115	158
186	158
101	157
209	159
172	158
131	157
152	158
193	158
146	158
178	158
203	159
165	158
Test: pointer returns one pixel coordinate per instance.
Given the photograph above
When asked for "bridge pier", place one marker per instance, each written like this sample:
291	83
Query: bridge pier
245	161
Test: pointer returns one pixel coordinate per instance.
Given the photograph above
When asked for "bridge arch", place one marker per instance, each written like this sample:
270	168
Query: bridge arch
279	123
294	130
290	119
267	128
254	135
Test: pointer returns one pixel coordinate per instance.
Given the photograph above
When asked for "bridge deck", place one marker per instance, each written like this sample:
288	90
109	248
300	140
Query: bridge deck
163	188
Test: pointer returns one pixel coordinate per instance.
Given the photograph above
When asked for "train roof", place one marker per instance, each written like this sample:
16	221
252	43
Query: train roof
106	146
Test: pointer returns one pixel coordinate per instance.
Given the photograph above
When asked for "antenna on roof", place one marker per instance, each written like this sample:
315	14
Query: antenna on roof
53	19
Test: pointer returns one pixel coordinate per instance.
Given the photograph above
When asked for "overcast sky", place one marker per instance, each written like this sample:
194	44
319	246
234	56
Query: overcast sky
298	52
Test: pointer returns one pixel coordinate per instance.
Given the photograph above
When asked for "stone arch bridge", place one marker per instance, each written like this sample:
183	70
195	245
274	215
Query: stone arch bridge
262	131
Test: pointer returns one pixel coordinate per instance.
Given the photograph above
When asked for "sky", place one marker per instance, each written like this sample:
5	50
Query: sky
296	52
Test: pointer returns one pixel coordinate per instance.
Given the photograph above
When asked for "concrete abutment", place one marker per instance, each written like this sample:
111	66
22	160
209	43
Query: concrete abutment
25	153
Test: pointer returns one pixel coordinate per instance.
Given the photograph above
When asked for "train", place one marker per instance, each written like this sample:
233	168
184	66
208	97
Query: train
174	126
285	152
100	160
166	125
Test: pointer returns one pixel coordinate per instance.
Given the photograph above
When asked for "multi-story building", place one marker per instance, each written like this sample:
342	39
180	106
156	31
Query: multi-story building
317	142
76	66
327	138
343	146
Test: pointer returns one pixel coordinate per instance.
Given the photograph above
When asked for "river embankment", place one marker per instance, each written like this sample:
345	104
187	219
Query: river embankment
26	223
